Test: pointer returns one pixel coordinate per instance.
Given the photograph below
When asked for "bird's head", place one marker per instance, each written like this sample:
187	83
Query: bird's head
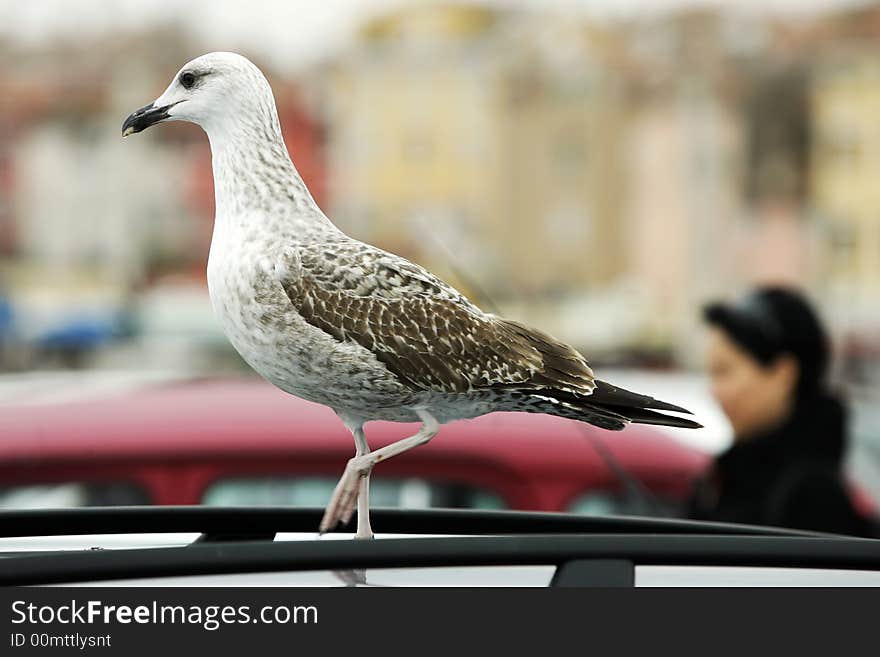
212	91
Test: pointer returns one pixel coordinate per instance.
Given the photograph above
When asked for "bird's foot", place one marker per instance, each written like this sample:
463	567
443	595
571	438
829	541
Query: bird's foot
364	533
352	577
343	502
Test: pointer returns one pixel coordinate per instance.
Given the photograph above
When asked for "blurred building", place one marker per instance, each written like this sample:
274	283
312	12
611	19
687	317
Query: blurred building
87	220
845	98
600	181
686	145
486	143
561	122
412	148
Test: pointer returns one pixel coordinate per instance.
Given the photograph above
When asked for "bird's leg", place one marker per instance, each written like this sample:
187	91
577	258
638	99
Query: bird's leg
358	576
362	448
344	500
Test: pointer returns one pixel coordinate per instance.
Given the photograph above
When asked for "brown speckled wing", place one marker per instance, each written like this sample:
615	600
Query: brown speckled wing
420	328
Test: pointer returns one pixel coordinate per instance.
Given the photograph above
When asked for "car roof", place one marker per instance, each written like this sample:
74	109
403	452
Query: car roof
580	550
247	416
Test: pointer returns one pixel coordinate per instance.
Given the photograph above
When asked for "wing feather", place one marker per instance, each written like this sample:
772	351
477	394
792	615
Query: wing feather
423	330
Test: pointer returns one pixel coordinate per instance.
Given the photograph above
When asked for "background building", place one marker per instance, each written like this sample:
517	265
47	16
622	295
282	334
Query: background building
600	178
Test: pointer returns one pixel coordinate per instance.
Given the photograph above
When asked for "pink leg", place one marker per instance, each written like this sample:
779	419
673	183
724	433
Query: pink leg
345	497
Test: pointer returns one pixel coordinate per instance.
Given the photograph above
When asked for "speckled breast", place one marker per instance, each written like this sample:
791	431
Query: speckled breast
262	325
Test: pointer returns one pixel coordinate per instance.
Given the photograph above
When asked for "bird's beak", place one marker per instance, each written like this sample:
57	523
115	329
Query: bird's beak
145	117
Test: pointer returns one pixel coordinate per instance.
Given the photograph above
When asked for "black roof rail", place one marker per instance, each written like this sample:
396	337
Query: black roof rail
626	551
228	524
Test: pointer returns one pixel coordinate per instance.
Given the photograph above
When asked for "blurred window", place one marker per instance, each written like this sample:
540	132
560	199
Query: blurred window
615	503
316	491
72	494
418	147
570	153
843	239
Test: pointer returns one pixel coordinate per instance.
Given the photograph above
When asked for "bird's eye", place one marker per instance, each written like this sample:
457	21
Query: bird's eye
187	80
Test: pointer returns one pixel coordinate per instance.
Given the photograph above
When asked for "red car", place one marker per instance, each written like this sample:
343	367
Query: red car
242	441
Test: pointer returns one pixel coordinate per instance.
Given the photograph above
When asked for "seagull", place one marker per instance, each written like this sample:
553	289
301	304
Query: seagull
336	321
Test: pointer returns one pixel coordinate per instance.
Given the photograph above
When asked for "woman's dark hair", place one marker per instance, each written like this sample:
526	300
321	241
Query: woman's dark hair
773	321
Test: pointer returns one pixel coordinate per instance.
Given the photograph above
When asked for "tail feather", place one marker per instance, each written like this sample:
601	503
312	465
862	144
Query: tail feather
613	408
645	416
606	394
602	418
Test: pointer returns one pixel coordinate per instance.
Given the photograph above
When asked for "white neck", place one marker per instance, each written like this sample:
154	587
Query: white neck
255	180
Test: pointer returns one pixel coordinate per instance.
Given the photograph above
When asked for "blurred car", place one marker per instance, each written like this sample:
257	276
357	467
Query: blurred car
257	465
240	441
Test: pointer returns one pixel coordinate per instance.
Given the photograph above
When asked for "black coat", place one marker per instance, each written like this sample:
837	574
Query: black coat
788	477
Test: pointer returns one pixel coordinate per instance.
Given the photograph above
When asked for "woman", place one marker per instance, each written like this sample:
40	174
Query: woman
768	359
